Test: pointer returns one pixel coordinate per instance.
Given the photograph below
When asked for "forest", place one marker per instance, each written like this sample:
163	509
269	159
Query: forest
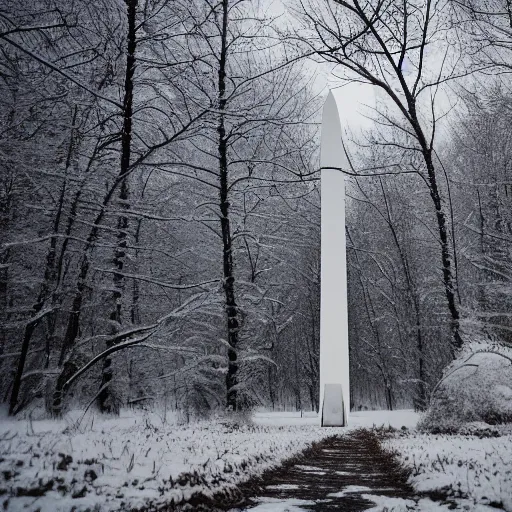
160	199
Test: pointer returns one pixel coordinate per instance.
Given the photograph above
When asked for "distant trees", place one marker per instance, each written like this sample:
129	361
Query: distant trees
256	108
480	169
475	157
146	150
408	52
399	335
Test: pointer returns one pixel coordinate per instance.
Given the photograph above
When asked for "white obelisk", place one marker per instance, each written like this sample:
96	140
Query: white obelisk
334	354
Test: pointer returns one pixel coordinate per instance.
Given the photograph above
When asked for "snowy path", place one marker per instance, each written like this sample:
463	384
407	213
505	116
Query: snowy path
342	474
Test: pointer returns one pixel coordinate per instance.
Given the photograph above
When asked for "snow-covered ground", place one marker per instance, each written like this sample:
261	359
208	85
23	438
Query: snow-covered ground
139	458
366	419
382	504
135	460
475	472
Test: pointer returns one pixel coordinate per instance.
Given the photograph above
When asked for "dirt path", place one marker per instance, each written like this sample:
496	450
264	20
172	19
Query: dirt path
332	477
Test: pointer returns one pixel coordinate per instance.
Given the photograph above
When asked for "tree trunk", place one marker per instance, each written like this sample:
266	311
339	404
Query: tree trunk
4	277
47	290
107	403
271	386
389	398
135	308
231	308
448	280
16	386
73	324
445	254
69	368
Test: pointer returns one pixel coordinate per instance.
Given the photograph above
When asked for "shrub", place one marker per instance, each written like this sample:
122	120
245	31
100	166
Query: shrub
476	387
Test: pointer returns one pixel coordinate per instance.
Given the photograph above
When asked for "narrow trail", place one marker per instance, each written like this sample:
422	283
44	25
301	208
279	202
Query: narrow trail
333	477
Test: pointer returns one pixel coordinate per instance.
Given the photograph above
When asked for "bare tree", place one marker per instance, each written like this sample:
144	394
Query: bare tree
386	44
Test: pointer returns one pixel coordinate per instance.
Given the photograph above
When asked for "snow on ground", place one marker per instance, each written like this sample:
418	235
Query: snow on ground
350	489
136	460
277	505
382	504
143	458
386	504
360	419
474	472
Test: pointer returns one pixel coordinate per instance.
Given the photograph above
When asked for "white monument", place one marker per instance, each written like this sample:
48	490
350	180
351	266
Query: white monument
334	355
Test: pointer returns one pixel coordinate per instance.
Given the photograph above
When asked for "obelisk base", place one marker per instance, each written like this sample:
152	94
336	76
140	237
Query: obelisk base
333	408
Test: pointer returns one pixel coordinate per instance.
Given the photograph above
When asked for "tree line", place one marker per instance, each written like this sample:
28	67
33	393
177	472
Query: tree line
160	211
429	191
155	180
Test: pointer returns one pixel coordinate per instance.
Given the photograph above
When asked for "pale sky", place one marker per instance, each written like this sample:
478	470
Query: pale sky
351	98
